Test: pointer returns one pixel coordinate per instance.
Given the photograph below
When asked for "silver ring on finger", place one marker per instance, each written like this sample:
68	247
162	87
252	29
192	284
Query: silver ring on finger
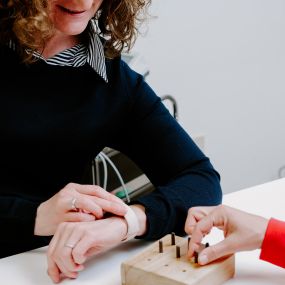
69	245
73	205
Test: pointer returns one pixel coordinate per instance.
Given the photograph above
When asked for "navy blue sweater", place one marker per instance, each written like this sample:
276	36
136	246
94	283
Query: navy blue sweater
54	120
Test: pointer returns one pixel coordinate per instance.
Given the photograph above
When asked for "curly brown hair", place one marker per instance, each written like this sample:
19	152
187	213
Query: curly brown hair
27	24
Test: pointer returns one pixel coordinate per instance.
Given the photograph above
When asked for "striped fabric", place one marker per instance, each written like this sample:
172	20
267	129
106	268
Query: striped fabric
93	54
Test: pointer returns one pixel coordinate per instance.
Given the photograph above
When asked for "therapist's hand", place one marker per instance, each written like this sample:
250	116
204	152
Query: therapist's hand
73	243
76	203
242	231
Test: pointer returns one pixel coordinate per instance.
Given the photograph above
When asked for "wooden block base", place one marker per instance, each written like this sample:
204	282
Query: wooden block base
153	268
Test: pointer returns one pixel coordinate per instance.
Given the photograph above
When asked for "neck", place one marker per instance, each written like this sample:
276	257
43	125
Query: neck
58	43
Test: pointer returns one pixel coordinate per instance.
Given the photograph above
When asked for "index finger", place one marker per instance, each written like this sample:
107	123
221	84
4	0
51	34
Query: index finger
95	190
110	206
203	227
53	270
195	214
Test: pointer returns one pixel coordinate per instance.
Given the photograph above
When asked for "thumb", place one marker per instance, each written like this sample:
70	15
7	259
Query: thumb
215	252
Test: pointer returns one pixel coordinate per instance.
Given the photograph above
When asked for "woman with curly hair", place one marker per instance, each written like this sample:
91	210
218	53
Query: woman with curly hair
65	95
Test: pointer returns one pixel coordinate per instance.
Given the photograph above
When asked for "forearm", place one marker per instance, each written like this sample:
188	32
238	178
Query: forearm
182	174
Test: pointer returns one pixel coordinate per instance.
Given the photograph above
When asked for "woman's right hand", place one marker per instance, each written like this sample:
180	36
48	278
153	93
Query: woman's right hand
76	203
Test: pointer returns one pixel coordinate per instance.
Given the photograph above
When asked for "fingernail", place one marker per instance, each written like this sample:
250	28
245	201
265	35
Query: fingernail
79	268
203	259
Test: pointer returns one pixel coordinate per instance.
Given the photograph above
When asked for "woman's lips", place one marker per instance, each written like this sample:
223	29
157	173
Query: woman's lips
69	11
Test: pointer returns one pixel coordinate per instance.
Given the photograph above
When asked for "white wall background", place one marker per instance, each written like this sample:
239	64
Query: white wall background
224	62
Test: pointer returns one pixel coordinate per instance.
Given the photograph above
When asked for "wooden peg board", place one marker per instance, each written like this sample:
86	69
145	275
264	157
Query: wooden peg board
153	268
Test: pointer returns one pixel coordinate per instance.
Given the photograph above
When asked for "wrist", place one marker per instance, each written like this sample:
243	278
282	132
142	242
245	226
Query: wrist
122	224
133	227
41	228
139	210
37	230
262	227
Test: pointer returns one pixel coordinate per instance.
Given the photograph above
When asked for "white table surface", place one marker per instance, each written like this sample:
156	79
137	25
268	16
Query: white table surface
267	199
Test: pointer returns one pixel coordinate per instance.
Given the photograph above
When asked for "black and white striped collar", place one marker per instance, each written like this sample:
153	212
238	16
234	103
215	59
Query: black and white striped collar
93	54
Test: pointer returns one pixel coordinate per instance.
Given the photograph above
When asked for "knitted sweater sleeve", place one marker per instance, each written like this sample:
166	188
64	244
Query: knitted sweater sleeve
17	215
182	175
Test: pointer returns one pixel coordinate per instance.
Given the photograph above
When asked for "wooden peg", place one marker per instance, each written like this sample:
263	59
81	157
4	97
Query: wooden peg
195	256
160	246
172	238
177	251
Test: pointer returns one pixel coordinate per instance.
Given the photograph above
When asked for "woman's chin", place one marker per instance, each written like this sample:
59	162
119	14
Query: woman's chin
71	29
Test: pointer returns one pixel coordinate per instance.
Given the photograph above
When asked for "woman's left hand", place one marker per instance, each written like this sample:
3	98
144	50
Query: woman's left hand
74	242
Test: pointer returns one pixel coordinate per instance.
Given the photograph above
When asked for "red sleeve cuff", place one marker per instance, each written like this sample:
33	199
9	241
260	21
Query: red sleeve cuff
273	246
